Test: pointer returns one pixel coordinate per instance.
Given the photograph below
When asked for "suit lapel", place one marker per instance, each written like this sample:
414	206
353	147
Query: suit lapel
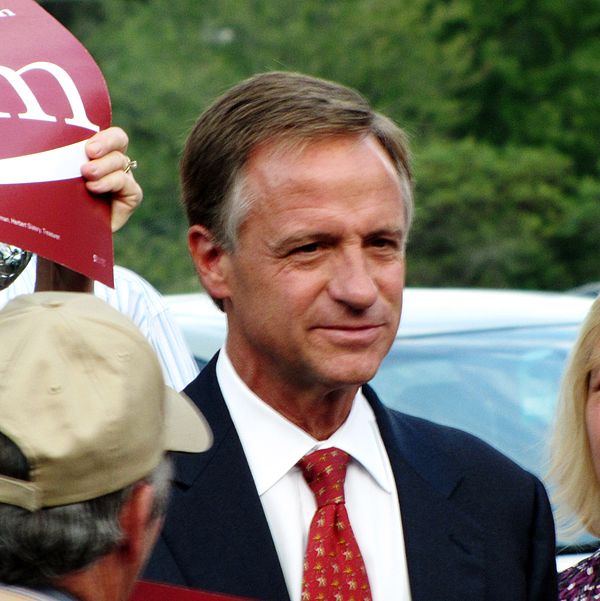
219	535
444	546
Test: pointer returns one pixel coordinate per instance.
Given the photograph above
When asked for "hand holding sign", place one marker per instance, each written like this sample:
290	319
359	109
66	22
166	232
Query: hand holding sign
106	174
52	99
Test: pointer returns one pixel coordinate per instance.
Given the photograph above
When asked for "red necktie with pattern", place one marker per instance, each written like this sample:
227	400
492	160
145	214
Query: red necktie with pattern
334	569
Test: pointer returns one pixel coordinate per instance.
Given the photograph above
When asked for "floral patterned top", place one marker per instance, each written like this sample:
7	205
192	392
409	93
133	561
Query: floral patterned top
581	582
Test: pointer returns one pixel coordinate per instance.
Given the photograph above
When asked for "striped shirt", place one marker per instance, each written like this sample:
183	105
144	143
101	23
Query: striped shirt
143	304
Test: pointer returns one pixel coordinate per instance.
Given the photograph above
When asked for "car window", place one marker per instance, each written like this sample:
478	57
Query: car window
500	385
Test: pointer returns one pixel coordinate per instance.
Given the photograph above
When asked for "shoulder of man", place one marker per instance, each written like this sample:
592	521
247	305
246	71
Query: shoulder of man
418	437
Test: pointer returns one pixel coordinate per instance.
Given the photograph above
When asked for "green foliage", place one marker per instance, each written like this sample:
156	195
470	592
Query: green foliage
500	217
500	99
534	75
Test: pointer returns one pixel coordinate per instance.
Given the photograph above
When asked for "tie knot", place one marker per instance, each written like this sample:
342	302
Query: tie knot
325	472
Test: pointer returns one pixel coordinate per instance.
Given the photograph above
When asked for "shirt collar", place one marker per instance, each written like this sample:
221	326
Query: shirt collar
273	444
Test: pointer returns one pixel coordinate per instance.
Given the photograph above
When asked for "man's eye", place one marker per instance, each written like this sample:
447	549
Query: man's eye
384	243
307	248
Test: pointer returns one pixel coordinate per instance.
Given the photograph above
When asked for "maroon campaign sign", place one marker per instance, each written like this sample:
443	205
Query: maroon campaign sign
52	99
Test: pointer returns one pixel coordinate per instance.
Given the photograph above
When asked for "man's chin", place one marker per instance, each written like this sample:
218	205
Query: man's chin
353	375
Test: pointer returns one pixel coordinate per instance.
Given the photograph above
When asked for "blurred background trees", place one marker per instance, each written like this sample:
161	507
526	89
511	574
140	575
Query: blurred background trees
501	101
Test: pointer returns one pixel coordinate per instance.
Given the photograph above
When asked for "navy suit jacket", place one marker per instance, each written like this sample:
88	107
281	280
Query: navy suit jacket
476	526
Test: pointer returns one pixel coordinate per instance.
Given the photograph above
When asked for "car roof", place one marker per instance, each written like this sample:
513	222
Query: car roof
436	310
194	304
447	310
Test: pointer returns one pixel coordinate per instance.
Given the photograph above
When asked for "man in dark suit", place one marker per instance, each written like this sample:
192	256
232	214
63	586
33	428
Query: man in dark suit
299	199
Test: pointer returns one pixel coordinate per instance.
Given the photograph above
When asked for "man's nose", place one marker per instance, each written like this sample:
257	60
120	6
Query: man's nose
352	282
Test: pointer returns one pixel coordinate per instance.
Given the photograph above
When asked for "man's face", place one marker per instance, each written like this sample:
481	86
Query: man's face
314	287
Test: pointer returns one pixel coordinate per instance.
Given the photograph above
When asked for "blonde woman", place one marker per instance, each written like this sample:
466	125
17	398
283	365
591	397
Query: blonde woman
575	456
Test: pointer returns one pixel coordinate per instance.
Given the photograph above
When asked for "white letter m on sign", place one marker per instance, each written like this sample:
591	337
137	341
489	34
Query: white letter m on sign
33	109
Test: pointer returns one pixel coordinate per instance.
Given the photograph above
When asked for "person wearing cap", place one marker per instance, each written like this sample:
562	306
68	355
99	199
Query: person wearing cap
85	421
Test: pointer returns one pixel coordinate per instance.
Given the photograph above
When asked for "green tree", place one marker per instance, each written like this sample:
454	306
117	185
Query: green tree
164	61
499	217
500	99
534	73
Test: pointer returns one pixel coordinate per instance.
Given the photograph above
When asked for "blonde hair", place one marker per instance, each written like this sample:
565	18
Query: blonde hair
577	492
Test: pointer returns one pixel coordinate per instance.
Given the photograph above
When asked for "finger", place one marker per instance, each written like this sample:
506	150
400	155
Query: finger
99	168
119	184
105	141
126	195
121	212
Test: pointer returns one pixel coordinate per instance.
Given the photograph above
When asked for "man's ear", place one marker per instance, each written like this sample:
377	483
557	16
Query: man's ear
209	260
139	530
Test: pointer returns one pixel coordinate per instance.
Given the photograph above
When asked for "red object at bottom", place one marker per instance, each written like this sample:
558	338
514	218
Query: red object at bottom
153	591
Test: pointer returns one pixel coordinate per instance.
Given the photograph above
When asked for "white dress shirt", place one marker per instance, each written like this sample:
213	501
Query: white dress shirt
143	304
273	445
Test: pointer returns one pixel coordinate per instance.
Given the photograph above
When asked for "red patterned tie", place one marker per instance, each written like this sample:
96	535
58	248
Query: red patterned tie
333	566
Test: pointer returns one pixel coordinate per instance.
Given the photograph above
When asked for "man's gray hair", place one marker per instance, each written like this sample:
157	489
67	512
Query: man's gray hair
38	547
290	108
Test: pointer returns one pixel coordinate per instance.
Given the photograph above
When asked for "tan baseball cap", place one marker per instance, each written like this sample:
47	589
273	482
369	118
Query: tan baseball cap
83	397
